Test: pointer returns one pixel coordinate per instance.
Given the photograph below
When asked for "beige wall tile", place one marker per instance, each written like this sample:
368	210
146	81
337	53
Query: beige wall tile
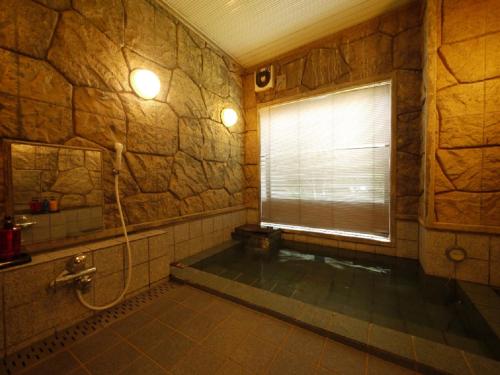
181	232
438	241
329	242
437	265
253	216
242	217
476	245
195	245
385	250
108	288
169	232
473	270
407	249
347	245
207	225
218	222
109	260
158	246
139	251
27	284
104	244
228	220
140	277
27	320
407	230
195	229
66	308
182	250
365	248
208	241
159	269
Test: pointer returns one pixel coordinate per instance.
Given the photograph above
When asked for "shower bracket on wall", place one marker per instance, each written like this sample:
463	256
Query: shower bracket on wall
75	273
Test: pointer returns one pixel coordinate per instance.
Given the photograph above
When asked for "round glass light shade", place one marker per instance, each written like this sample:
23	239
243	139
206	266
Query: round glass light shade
145	83
229	117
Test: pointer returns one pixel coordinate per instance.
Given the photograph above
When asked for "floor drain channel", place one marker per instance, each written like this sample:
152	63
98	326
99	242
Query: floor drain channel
31	355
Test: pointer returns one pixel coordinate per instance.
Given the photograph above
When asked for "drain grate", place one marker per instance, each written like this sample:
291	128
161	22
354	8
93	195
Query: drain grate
42	349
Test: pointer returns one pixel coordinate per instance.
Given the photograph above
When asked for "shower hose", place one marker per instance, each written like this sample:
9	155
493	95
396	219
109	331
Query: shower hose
129	260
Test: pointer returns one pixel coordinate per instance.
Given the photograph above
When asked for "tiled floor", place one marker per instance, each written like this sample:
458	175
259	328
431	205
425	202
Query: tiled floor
188	331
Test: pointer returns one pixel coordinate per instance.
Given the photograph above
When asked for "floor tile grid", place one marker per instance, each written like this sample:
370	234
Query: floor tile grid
90	359
317	365
174	329
249	333
137	348
81	366
176	288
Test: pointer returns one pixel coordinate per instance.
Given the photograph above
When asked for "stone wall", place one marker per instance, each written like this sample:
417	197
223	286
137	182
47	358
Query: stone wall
466	166
64	68
386	45
462	148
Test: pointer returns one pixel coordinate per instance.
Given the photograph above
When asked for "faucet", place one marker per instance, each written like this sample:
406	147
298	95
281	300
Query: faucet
75	273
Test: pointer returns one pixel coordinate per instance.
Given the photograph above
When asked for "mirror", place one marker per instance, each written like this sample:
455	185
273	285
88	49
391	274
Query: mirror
56	191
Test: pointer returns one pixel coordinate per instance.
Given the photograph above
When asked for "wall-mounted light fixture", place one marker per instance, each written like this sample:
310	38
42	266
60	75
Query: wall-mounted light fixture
229	116
145	83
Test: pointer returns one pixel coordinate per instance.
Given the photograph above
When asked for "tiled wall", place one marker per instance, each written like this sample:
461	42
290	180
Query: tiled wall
462	157
59	225
405	245
64	79
31	311
482	264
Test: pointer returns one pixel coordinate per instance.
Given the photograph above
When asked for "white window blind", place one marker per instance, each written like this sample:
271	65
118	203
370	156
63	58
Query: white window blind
325	163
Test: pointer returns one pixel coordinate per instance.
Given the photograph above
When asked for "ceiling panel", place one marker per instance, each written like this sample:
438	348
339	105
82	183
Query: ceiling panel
253	31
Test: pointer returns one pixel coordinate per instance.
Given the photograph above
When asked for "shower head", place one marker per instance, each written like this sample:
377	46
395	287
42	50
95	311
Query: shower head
118	155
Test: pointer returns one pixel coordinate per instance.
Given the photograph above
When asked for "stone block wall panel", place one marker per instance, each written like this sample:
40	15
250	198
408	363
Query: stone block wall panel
106	15
466	179
151	32
27	27
86	56
64	79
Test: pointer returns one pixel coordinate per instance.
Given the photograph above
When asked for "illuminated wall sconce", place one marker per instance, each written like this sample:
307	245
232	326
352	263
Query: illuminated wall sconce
145	83
229	117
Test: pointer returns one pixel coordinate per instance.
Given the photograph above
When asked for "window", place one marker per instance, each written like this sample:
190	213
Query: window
325	163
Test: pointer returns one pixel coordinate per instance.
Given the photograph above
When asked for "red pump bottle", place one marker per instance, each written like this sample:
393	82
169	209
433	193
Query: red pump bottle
10	240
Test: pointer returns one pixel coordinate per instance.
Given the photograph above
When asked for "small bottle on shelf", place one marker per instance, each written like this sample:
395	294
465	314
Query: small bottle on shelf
45	206
53	205
35	206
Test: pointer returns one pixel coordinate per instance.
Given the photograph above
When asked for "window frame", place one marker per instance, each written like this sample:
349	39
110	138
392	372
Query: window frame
330	89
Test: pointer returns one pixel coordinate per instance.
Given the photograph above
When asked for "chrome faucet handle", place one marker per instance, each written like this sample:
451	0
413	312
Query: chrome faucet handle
77	263
23	222
84	283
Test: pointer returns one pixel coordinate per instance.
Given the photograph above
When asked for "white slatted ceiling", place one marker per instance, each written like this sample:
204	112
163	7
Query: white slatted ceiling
253	31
